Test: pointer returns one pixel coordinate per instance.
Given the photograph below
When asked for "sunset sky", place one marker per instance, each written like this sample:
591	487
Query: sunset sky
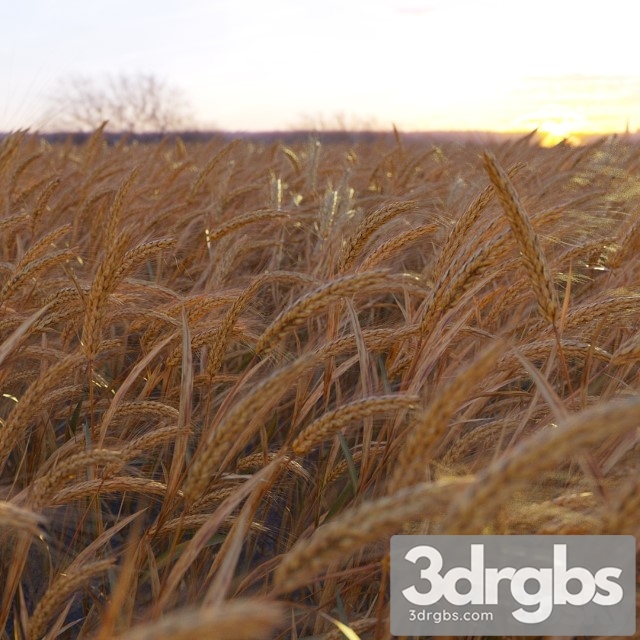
561	65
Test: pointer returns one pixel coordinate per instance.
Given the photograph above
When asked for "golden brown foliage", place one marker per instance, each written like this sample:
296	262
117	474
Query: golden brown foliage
230	371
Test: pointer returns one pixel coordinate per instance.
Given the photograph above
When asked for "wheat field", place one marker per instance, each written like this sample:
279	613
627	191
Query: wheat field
230	371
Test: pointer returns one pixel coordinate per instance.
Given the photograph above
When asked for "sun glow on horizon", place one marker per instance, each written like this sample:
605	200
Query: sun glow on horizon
556	124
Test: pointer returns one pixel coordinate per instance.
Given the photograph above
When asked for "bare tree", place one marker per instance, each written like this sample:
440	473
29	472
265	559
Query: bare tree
140	103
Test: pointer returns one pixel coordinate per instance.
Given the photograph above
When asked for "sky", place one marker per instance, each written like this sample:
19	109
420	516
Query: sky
560	65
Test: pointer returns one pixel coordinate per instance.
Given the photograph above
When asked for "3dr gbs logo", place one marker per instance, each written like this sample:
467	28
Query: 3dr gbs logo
552	583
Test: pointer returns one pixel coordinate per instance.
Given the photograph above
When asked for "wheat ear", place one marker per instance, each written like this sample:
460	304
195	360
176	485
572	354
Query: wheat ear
102	285
461	230
21	519
68	469
209	168
453	284
222	333
417	450
528	242
331	422
312	303
31	402
117	205
371	521
61	588
353	247
235	428
238	619
540	452
623	518
390	247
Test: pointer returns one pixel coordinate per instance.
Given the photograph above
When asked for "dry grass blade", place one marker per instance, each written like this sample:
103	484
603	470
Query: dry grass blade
528	242
239	619
372	521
